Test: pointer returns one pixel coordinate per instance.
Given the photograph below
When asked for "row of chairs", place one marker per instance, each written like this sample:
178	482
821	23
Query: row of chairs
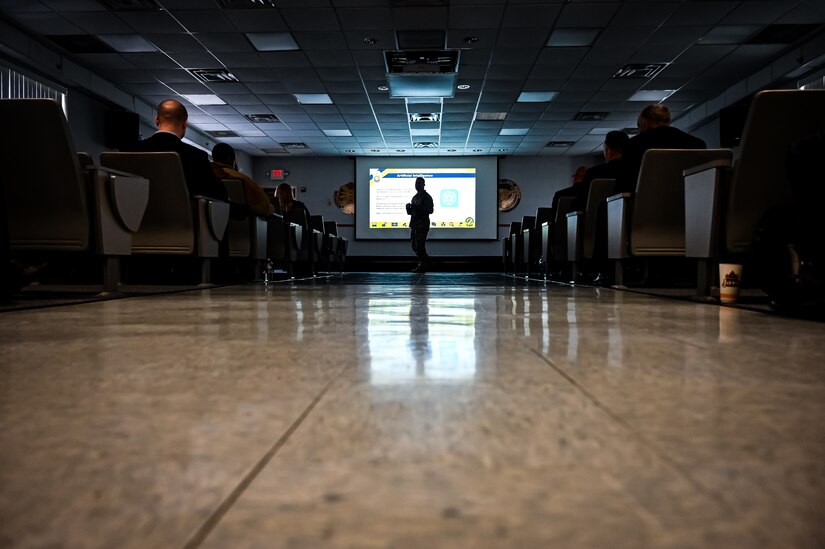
135	204
697	204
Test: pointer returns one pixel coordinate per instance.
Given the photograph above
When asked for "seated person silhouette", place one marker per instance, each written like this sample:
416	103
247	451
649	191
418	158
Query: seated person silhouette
578	178
225	166
655	132
293	210
172	121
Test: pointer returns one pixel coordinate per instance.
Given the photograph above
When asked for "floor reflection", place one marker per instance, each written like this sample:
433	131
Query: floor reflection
425	338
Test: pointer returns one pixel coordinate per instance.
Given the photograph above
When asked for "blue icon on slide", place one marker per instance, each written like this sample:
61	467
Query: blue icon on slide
449	198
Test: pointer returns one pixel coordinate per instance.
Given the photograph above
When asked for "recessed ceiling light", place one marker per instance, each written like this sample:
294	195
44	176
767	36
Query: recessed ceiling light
128	43
503	150
272	41
349	150
337	133
571	38
477	150
204	99
313	98
463	86
470	39
370	41
536	97
514	131
451	150
375	150
400	150
383	88
651	95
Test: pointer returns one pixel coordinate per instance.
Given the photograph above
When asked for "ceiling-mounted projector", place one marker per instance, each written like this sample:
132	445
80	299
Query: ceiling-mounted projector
422	73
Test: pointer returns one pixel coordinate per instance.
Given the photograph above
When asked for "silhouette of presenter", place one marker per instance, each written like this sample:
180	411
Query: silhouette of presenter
419	209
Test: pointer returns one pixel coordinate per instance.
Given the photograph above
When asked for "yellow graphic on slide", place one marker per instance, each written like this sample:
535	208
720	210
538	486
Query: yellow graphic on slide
376	176
468	223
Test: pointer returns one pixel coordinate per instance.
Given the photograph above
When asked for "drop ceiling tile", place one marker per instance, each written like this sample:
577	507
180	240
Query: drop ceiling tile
645	13
587	15
257	20
151	22
225	42
365	18
536	15
311	41
100	22
311	19
468	17
203	20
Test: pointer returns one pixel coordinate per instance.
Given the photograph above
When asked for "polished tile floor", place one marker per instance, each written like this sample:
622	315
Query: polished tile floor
407	411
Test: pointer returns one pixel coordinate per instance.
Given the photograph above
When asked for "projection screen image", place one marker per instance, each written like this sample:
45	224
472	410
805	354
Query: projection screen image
453	191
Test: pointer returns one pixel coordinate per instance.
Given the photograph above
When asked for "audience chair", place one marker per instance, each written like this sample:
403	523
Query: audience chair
533	254
724	203
651	221
175	223
522	244
582	225
246	237
340	244
507	247
58	202
284	242
554	236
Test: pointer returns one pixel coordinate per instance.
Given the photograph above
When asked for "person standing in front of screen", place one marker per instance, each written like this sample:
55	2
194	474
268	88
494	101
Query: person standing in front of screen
420	208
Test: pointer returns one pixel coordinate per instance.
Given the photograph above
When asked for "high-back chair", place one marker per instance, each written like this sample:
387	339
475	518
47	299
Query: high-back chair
175	223
246	237
554	235
582	225
340	244
507	247
522	243
724	204
55	205
651	221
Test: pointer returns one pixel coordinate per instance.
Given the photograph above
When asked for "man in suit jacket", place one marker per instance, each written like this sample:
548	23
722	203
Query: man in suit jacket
614	144
655	132
172	121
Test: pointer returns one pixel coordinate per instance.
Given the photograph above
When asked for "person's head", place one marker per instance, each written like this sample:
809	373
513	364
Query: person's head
614	143
223	153
419	184
653	116
172	117
578	175
284	195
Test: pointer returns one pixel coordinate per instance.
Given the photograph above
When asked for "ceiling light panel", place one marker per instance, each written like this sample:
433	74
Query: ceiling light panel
313	98
651	95
536	97
204	99
272	41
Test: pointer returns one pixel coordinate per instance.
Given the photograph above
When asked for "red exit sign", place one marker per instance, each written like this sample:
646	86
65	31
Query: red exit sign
277	175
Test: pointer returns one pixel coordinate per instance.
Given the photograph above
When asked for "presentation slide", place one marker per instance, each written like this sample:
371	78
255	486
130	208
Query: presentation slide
453	191
464	191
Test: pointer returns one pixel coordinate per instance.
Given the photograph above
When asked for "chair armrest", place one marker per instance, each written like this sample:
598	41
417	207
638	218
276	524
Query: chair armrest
619	209
619	196
704	194
713	164
129	196
218	217
573	214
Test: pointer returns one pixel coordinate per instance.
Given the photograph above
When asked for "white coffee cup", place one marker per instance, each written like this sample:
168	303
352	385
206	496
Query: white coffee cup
730	280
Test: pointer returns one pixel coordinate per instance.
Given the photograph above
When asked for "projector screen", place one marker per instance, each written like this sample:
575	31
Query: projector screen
464	192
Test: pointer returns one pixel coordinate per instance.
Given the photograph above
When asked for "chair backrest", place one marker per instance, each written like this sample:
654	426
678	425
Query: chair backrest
528	222
316	222
331	227
600	189
776	119
543	215
48	207
657	224
167	225
559	232
234	188
515	228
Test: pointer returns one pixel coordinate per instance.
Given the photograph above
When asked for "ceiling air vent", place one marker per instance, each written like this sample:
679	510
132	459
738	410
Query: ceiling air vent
275	151
294	146
262	118
130	5
425	145
222	133
425	116
593	116
561	144
213	75
640	70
